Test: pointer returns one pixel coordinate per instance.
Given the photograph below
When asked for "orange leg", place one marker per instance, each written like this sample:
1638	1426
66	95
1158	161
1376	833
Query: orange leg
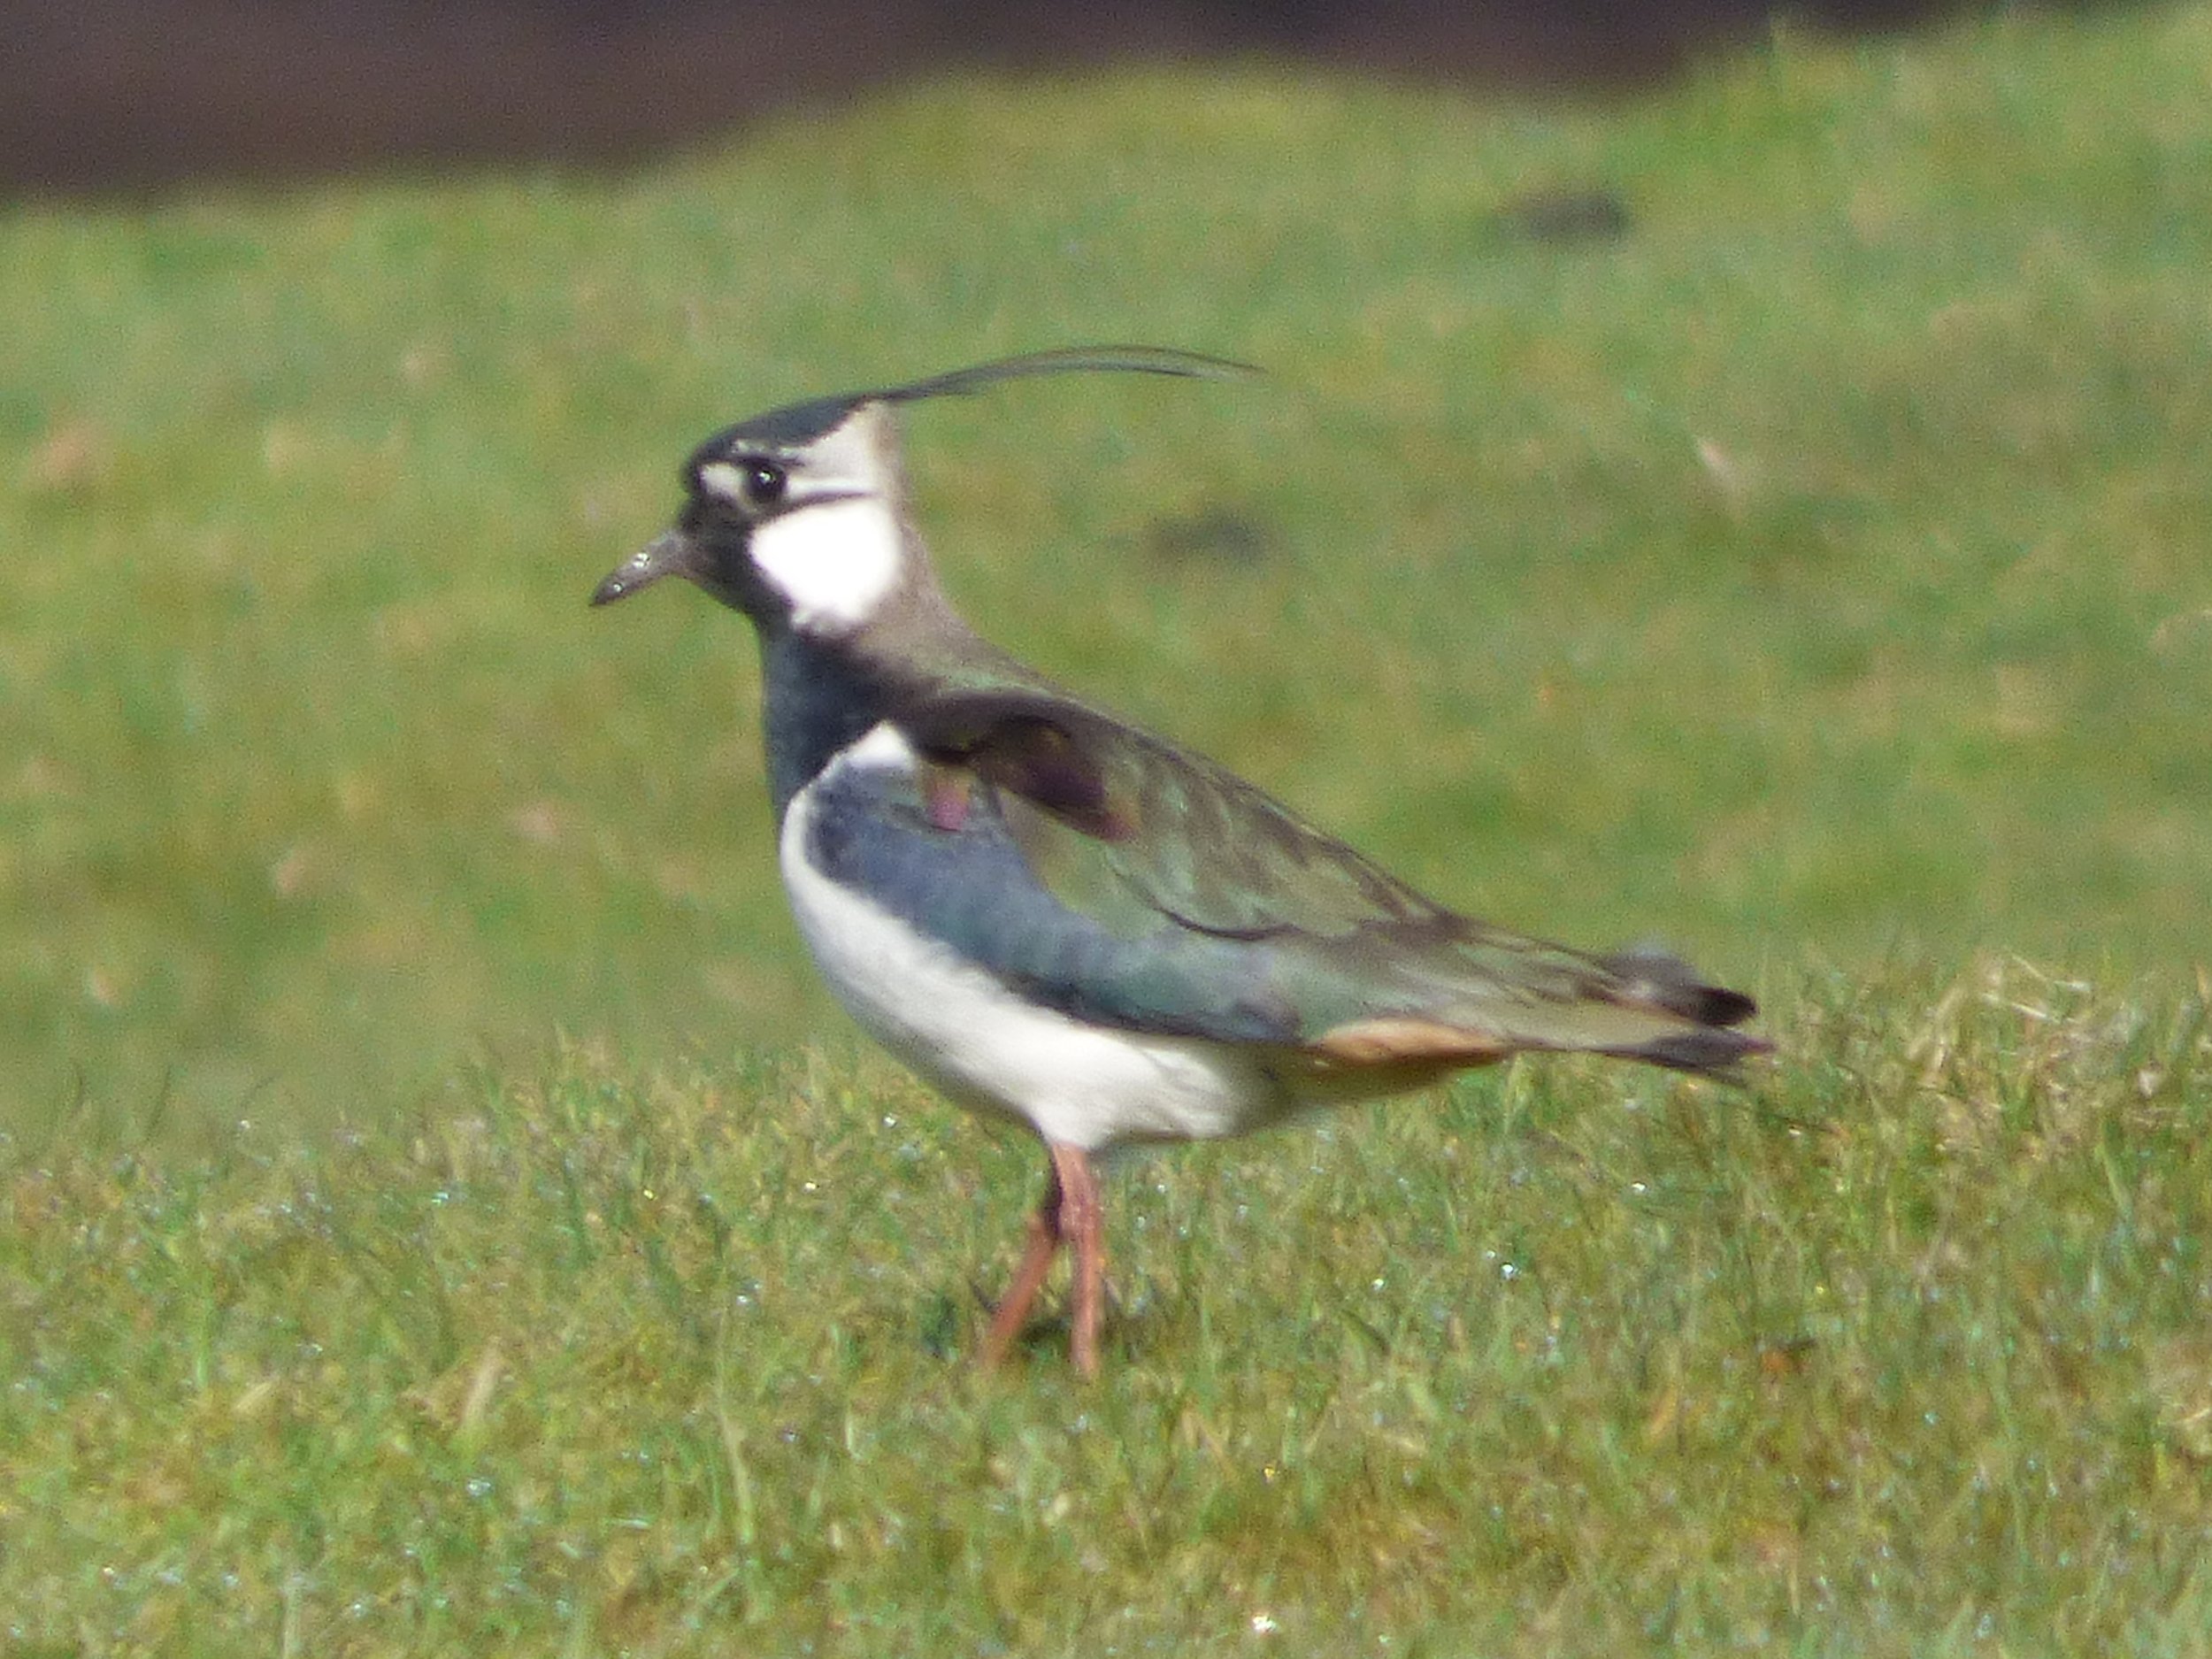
1013	1309
1070	1214
1083	1225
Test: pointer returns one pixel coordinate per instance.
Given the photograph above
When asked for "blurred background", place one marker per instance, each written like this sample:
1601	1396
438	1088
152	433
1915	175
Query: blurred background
1731	477
124	93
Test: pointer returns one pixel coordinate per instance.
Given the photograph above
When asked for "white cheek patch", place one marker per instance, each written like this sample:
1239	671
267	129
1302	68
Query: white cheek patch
724	480
834	562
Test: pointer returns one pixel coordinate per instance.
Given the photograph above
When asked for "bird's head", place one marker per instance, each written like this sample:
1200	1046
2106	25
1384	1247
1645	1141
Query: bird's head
797	517
791	518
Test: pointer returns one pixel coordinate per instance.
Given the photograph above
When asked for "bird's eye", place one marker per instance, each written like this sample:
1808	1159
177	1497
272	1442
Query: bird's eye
764	483
751	483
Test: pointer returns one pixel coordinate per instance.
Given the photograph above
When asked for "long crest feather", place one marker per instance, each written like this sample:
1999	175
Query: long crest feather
796	425
1066	360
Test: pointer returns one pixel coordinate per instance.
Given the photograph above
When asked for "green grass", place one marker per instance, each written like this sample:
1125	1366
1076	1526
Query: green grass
1819	566
1905	1353
1814	576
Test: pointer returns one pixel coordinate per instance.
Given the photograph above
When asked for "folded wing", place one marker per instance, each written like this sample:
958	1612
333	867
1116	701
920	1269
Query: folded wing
1142	886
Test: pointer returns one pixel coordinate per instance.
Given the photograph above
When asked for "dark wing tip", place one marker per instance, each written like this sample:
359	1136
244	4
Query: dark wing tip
1705	1051
1663	979
1706	1047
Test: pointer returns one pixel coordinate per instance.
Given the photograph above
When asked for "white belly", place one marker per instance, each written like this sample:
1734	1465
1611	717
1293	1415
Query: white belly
1079	1084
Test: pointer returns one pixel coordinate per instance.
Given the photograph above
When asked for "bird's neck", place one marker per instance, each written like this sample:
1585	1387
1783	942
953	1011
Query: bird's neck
821	692
817	697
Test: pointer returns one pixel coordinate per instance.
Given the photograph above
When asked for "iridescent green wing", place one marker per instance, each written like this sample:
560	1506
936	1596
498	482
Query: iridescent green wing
1127	829
1152	844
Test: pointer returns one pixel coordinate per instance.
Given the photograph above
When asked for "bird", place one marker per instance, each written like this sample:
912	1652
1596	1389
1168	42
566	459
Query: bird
1054	916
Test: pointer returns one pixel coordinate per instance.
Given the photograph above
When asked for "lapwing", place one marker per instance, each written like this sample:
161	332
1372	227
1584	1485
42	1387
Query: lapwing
1052	915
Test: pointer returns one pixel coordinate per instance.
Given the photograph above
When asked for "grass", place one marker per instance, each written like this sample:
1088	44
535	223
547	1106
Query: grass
1904	1352
1817	566
1811	574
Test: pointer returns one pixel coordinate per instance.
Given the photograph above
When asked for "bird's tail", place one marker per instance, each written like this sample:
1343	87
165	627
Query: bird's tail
1695	1034
1524	996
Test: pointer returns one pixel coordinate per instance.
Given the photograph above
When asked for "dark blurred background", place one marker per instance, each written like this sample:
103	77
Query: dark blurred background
105	96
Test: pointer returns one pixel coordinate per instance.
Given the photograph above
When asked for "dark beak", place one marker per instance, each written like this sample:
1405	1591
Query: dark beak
670	553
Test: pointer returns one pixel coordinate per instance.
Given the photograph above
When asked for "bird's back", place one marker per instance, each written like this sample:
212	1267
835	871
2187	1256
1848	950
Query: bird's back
1123	880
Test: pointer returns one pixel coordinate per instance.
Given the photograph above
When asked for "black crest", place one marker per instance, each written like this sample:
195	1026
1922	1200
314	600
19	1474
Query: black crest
796	425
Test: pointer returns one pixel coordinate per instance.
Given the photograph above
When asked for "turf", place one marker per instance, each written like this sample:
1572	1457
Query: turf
1903	1353
1767	515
